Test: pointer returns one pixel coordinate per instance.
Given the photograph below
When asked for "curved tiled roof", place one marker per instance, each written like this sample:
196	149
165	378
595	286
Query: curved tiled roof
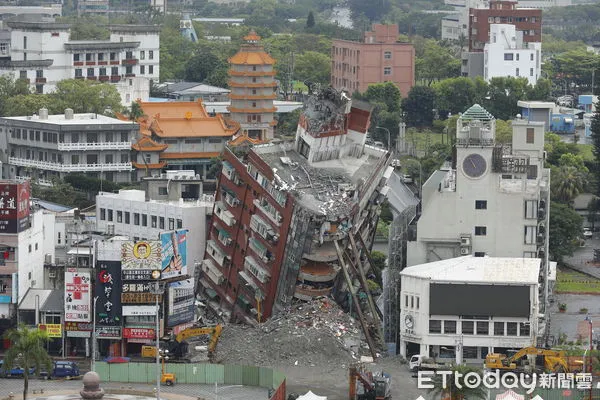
243	138
252	58
252	37
158	165
476	112
147	144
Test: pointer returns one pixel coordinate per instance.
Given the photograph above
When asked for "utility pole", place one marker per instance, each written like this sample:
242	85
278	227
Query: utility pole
94	336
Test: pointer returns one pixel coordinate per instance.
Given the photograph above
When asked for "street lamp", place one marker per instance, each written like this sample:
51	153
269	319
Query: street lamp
389	143
94	335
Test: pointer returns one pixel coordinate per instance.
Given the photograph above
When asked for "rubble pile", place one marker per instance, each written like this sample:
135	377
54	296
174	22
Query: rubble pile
316	333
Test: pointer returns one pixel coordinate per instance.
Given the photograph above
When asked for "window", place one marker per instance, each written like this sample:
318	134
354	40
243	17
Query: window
531	57
144	220
128	55
75	57
499	328
405	301
161	223
129	70
530	233
127	219
39	73
517	56
142	55
511	328
530	136
412	301
483	327
517	72
74	159
417	302
150	69
530	71
435	326
467	327
171	224
508	56
479	254
30	252
90	72
480	231
102	72
120	216
114	71
113	56
524	329
100	56
24	42
469	352
142	69
162	191
531	209
387	70
449	326
153	221
108	158
110	215
102	214
529	254
151	55
89	57
387	55
179	224
136	218
124	137
481	204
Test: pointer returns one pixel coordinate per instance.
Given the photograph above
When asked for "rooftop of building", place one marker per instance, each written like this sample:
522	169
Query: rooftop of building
47	300
535	104
324	187
191	87
78	119
135	195
471	269
252	52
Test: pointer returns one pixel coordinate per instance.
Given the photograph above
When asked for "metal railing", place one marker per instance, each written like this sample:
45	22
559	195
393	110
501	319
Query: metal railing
94	146
59	167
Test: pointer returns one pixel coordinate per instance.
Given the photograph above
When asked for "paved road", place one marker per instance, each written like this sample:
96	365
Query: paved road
583	256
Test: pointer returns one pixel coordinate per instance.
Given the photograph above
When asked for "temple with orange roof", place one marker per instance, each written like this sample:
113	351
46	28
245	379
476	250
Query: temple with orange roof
179	136
253	90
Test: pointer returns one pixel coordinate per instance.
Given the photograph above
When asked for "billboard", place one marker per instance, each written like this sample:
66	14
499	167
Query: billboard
54	330
14	206
141	255
174	254
181	303
108	306
139	333
77	295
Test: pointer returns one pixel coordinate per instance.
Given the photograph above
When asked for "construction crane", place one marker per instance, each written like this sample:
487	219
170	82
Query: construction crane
554	360
177	347
375	386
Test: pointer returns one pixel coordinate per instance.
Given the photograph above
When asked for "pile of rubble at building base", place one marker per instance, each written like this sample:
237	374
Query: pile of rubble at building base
316	333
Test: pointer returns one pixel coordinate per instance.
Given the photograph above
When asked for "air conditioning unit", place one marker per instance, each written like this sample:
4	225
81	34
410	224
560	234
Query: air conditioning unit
465	241
52	274
33	283
464	251
235	202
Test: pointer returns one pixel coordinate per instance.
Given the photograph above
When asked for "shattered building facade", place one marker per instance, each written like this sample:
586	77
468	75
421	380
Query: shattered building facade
289	216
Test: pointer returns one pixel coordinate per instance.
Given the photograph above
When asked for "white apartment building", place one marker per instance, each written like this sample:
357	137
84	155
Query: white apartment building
171	201
43	54
543	4
46	146
493	201
507	55
463	308
456	25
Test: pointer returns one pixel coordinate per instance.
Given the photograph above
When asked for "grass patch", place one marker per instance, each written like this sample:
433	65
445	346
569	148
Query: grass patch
575	282
586	151
422	139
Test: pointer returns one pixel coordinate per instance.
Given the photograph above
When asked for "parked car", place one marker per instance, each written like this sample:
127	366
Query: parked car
62	369
15	372
407	178
587	233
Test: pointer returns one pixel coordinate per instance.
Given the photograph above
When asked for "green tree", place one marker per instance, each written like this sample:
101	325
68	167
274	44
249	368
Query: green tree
372	10
595	128
202	64
437	63
175	50
9	88
503	94
386	101
567	183
418	106
27	104
503	131
555	148
314	67
61	193
454	95
27	351
84	96
378	261
461	390
565	230
135	111
88	29
593	209
310	20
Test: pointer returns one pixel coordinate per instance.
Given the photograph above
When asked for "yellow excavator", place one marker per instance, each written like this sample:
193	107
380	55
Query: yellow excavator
554	360
178	346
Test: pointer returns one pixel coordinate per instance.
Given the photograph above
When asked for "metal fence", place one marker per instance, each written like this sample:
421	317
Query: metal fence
552	394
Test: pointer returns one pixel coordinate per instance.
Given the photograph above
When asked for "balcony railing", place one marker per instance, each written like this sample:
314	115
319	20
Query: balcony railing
39	181
40	80
59	167
94	146
129	61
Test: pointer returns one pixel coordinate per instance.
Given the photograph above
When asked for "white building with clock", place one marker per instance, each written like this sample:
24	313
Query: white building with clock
493	200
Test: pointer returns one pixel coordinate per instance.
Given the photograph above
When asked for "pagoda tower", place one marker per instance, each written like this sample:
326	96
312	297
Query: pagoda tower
253	90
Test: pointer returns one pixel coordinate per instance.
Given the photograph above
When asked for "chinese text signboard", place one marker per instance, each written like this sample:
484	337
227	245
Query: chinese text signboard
139	298
181	303
78	326
77	295
144	255
137	275
108	332
174	254
108	290
54	330
14	207
139	333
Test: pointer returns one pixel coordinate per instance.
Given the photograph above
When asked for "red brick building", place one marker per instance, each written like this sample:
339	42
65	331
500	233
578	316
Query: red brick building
280	207
528	20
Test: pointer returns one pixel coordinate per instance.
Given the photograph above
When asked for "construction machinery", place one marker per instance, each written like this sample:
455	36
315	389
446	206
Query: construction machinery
178	347
366	385
546	360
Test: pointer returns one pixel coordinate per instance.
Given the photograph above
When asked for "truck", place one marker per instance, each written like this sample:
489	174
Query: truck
421	362
366	385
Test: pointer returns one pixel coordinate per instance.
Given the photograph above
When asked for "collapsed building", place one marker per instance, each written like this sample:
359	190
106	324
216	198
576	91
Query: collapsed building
290	216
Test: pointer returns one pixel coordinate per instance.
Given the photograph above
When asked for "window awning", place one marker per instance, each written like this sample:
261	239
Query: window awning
211	293
256	243
223	232
249	280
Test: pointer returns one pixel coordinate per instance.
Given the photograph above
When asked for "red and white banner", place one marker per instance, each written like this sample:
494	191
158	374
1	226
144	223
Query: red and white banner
77	295
139	333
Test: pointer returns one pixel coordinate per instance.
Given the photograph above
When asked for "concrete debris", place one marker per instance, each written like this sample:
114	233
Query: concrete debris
317	333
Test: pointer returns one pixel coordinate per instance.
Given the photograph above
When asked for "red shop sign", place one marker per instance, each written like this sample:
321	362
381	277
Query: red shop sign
139	333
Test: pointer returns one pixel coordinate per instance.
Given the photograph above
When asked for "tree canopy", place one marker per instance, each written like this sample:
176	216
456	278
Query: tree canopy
565	230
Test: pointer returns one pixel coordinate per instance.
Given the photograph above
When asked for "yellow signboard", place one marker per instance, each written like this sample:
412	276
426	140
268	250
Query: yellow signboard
54	330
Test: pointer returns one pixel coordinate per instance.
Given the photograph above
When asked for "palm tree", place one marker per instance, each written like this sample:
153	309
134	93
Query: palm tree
27	351
567	183
452	391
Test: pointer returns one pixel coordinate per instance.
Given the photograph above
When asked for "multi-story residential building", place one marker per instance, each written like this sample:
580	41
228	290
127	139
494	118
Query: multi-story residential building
46	146
169	201
462	309
97	7
380	57
43	54
253	89
180	136
455	26
281	210
492	201
507	55
544	4
529	21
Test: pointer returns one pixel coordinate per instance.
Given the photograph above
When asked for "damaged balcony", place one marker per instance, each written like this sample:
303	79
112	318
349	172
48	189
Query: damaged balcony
216	253
321	252
223	214
318	272
212	272
307	292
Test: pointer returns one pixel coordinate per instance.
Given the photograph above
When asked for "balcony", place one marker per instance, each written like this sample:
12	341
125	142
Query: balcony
78	63
103	78
92	78
102	62
321	253
130	75
307	292
114	62
94	146
212	272
260	250
129	61
216	253
60	167
223	214
90	63
40	80
318	272
262	206
79	77
39	181
115	78
253	266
